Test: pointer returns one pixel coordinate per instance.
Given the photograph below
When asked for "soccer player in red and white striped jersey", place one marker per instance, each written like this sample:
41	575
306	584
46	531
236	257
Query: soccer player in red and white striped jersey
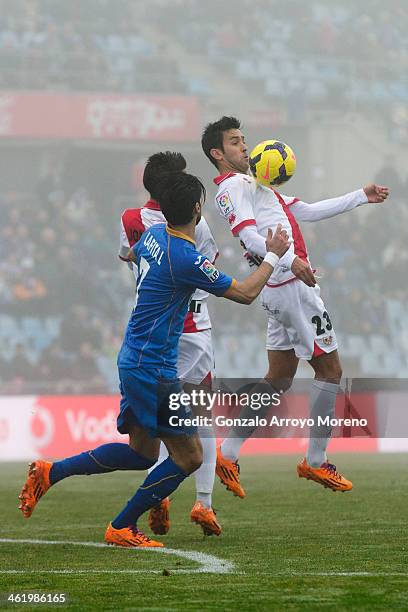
299	326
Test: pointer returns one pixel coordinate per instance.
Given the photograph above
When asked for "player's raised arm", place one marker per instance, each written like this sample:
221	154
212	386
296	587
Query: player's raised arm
325	209
247	290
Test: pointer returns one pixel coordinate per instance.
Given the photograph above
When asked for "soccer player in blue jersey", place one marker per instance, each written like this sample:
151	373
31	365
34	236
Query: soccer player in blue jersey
170	269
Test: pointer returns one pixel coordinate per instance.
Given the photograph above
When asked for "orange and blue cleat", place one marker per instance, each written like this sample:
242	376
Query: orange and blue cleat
129	537
205	517
36	485
159	517
326	475
228	472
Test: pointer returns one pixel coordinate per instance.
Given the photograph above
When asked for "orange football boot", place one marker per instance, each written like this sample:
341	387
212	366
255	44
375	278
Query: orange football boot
325	475
36	485
205	517
228	472
129	537
159	517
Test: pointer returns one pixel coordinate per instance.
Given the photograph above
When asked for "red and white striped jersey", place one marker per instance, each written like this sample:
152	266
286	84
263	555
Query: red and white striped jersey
243	203
135	221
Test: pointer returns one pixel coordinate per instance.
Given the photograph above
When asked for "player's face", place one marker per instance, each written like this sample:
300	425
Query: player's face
235	153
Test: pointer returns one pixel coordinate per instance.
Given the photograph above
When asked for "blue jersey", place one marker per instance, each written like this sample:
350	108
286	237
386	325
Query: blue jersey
169	270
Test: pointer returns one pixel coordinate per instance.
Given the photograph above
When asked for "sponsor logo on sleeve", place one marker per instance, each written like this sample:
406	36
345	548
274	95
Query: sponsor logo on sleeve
231	219
209	270
224	203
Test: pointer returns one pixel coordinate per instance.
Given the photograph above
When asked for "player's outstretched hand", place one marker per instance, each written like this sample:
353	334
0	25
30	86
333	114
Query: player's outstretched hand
277	242
376	193
303	272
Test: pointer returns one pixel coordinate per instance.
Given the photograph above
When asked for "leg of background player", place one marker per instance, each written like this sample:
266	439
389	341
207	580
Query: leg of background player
204	476
202	512
162	456
282	368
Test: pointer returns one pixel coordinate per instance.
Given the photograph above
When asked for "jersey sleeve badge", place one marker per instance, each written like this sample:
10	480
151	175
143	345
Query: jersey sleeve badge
209	270
224	203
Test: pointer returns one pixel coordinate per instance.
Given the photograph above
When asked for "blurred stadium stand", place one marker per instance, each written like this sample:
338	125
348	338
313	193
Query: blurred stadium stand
323	78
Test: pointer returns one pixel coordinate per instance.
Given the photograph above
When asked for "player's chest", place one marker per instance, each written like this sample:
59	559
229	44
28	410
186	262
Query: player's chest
269	212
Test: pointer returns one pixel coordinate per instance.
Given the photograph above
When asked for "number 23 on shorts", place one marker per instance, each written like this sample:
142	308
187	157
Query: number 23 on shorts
322	327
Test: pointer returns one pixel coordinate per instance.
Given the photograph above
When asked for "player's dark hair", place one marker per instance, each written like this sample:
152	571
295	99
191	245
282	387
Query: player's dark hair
160	163
212	137
179	193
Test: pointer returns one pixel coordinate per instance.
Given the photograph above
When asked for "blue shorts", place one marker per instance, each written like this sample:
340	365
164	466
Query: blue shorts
145	402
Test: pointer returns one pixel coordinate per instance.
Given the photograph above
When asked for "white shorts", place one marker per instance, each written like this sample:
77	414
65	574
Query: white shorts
195	357
298	319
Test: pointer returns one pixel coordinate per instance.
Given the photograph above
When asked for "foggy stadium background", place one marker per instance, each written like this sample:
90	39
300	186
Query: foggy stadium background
328	79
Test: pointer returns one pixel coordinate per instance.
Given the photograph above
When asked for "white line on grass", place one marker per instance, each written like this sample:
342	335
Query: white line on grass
361	574
209	564
334	574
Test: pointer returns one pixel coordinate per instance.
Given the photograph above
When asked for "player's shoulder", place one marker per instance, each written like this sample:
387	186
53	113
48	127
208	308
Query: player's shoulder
234	180
130	216
153	241
194	264
234	191
156	232
182	254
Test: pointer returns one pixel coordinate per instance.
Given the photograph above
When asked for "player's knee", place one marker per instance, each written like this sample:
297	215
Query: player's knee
280	385
149	453
194	461
330	372
190	462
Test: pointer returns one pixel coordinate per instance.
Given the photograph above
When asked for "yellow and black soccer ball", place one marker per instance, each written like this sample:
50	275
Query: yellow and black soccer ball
272	162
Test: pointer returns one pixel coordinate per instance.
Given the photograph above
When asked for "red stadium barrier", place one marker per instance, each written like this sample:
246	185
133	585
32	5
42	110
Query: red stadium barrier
99	117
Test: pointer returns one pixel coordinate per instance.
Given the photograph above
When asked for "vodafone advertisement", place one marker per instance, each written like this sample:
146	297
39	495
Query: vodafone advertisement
58	426
32	426
98	117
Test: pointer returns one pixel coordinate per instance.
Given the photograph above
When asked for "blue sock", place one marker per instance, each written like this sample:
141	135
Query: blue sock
159	484
105	458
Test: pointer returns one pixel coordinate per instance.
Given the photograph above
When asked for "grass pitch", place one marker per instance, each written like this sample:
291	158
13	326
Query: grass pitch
294	545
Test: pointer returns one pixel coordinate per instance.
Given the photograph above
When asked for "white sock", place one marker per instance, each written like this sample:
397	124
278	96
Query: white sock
204	476
231	447
322	403
163	454
205	499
